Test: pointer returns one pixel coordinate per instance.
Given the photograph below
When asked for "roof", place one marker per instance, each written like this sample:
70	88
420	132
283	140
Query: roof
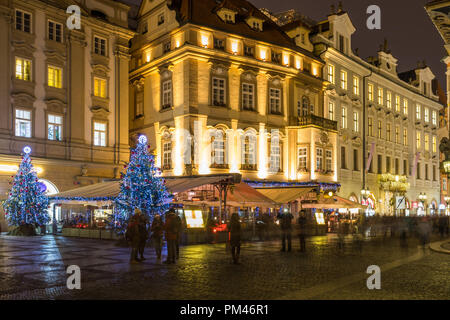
334	202
408	76
202	12
285	194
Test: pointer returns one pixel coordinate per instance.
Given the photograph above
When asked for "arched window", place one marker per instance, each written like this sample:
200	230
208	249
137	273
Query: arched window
249	151
166	146
218	148
275	151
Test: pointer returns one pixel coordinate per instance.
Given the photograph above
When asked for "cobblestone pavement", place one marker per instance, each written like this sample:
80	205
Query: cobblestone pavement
35	268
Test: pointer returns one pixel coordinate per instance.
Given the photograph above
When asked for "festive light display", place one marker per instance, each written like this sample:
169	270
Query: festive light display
272	184
141	187
27	202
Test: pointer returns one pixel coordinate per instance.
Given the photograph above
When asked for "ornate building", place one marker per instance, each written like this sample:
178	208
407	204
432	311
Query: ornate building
64	92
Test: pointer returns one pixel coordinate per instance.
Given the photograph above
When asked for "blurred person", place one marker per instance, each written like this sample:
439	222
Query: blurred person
441	225
171	230
157	230
143	235
133	236
301	221
286	230
234	228
424	231
179	228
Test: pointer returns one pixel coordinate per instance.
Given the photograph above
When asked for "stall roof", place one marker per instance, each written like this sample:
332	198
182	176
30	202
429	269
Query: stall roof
284	195
334	202
109	190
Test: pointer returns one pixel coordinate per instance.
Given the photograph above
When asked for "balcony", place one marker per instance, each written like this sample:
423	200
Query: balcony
317	121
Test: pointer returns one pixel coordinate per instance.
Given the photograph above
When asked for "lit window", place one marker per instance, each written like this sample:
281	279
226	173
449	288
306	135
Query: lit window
380	129
328	160
100	46
100	134
370	91
397	103
167	155
139	104
54	127
302	158
331	73
434	144
55	31
355	121
418	115
249	151
319	159
427	142
23	21
100	87
389	100
344	118
275	100
397	134
218	149
248	99
355	85
405	136
344	79
418	137
167	94
405	106
370	126
23	123
331	110
380	96
218	92
434	118
275	155
427	115
388	131
23	69
54	77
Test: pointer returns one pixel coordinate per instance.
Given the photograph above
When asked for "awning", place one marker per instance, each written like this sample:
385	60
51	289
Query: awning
334	202
284	195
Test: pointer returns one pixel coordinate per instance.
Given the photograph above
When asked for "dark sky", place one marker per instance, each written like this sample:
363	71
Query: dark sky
411	35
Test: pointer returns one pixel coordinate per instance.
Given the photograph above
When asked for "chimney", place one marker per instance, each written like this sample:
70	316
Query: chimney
332	9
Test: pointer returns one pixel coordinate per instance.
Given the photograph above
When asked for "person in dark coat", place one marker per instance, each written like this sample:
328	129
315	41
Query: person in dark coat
234	228
133	236
143	235
286	230
157	230
301	221
171	230
179	229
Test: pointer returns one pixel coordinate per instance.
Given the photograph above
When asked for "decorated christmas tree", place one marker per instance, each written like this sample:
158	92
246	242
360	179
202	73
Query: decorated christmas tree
27	203
142	187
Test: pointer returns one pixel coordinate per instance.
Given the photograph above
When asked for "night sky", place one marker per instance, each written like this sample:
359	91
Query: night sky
411	35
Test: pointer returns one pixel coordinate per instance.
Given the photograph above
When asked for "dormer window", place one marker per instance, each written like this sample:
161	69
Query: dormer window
219	44
249	51
276	57
166	47
256	25
229	18
161	19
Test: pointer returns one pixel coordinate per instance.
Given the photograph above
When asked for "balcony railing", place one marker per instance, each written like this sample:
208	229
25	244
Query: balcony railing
317	121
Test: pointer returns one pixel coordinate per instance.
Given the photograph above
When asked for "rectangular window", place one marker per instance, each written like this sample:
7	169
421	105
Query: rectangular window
434	173
434	118
370	91
434	144
328	161
167	155
426	172
427	115
275	100
249	51
23	21
275	157
167	94
54	127
54	77
388	164
405	107
248	96
344	79
389	100
23	69
55	31
249	151
100	88
139	104
405	167
23	123
418	138
370	126
380	96
302	158
418	171
397	103
397	166
319	159
355	121
405	136
218	153
219	44
161	19
218	92
356	85
331	110
100	134
331	73
99	46
397	134
388	132
418	108
427	142
371	163
380	128
355	160
344	118
380	164
343	158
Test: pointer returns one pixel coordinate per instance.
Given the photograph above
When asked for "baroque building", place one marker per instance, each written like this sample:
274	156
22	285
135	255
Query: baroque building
64	92
218	87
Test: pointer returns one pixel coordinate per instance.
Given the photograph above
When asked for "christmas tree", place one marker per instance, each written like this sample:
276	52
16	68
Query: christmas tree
27	203
141	187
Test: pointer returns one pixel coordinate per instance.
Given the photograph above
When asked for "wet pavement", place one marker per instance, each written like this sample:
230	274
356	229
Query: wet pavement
35	268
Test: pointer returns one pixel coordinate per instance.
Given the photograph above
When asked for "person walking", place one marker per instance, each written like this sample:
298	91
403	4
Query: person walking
234	228
424	229
133	236
441	224
179	228
157	230
171	230
301	221
143	235
286	230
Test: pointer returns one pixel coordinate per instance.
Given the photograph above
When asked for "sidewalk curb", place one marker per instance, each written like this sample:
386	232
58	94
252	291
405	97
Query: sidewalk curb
436	246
